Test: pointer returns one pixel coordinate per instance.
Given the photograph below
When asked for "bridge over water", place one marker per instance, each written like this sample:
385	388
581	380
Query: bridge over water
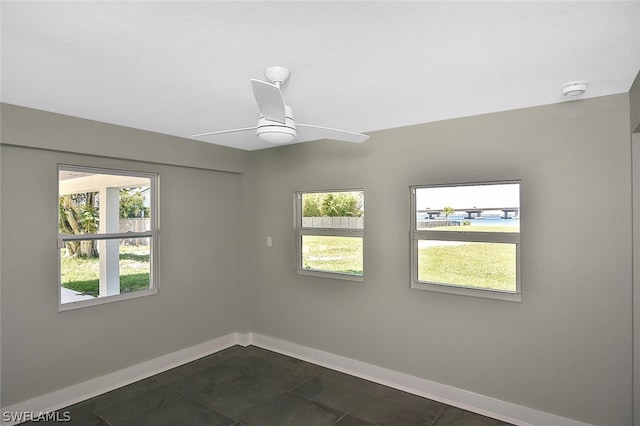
474	212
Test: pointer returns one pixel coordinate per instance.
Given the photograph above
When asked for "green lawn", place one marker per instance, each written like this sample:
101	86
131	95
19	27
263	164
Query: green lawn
479	265
83	275
332	254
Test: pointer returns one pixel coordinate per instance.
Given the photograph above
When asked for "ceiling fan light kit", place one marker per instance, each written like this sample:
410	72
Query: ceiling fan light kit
277	136
276	125
276	132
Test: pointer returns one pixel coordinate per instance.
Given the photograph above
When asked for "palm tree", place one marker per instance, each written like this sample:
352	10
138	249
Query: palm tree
447	211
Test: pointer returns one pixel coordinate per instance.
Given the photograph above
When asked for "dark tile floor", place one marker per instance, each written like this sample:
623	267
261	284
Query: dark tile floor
253	386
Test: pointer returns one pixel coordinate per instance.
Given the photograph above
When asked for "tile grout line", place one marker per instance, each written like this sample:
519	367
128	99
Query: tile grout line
435	419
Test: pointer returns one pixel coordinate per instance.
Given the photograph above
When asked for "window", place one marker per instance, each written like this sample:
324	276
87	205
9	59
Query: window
330	234
466	239
107	235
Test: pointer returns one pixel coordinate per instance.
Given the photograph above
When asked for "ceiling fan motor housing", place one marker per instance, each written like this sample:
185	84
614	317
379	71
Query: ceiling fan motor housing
275	132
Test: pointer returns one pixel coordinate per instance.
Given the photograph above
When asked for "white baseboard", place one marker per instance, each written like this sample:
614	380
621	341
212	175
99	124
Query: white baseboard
460	398
82	391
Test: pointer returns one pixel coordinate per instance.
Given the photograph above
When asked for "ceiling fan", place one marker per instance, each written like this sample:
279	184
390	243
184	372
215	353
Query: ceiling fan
276	124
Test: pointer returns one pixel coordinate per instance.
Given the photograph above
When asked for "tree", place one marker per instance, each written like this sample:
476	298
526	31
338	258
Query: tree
312	203
334	204
447	211
132	204
79	215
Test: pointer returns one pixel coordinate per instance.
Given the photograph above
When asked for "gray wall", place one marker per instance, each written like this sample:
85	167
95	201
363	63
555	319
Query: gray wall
634	103
45	130
636	276
198	300
566	349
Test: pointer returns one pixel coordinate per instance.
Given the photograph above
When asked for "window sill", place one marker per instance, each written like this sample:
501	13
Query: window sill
332	275
106	299
467	291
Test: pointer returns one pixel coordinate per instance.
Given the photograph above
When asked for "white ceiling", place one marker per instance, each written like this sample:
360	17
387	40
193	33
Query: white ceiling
182	67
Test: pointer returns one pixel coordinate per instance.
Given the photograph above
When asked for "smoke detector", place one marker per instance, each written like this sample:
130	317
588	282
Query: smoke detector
574	88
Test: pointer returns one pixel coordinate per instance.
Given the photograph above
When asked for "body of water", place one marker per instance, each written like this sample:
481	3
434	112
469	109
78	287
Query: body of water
489	220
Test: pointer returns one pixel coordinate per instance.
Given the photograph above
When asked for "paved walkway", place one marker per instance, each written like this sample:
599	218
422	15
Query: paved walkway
68	296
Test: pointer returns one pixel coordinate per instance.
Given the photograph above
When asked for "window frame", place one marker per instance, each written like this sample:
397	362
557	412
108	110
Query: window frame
152	234
464	236
323	231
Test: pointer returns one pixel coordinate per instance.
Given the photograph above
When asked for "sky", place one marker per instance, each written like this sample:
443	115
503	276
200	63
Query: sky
468	196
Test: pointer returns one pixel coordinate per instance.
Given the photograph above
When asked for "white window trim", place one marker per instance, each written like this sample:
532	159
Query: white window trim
467	236
152	234
330	232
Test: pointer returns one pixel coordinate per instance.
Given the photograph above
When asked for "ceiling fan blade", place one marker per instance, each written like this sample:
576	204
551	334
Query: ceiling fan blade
270	100
311	132
244	129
